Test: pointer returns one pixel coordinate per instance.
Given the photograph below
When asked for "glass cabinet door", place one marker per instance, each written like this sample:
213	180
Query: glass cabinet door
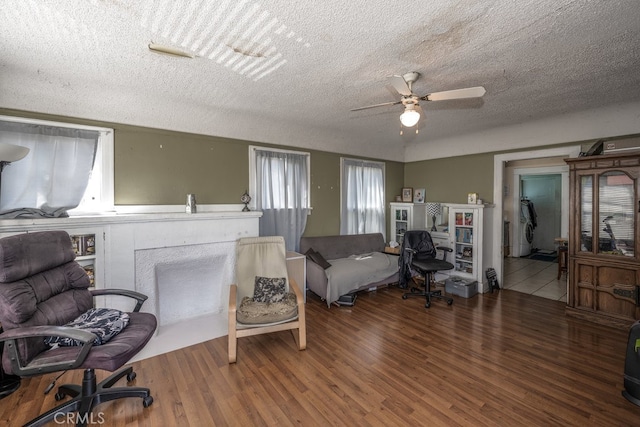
586	213
401	223
607	214
616	202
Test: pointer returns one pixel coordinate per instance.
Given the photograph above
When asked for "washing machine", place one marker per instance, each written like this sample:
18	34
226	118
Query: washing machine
526	229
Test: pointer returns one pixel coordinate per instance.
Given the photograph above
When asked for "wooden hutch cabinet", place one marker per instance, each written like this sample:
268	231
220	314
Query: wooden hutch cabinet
604	261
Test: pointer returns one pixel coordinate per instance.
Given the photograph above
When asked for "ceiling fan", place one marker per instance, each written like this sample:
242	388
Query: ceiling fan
411	101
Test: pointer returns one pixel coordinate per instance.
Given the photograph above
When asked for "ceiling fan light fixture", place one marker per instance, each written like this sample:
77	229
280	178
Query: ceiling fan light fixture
409	117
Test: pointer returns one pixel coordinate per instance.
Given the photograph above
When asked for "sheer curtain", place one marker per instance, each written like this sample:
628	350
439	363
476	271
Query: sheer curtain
362	198
53	177
282	194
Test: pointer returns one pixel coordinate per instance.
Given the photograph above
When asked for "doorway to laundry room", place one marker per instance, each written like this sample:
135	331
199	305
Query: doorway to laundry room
540	214
539	209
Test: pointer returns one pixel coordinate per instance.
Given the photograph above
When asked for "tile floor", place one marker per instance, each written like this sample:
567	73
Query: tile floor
538	278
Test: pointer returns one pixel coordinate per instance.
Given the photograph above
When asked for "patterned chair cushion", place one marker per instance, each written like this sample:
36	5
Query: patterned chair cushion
105	323
252	312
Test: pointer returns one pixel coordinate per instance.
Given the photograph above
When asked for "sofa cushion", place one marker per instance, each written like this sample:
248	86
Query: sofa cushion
317	258
268	289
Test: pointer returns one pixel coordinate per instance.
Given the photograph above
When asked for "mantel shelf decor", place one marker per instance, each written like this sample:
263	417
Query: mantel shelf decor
245	198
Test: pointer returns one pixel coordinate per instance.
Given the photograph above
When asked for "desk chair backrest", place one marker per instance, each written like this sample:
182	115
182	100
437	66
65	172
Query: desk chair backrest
420	243
259	256
416	245
40	285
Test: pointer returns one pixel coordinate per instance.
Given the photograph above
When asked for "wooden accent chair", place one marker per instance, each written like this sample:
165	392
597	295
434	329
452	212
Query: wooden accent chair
264	299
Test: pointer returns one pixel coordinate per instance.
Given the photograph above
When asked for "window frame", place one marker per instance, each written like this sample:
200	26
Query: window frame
252	171
384	188
101	181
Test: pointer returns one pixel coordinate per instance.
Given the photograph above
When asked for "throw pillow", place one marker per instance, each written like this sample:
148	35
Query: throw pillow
105	323
268	289
317	258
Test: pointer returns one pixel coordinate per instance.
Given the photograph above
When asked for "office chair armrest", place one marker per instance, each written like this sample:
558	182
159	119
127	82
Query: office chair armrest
45	365
140	298
444	248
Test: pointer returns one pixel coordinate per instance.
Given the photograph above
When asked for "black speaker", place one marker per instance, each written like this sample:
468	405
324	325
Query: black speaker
632	366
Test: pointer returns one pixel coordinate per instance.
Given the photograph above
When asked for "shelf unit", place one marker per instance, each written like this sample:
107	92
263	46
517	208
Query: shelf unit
465	234
84	245
407	216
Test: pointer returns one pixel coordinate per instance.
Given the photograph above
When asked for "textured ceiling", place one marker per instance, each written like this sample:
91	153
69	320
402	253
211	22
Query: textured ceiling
288	73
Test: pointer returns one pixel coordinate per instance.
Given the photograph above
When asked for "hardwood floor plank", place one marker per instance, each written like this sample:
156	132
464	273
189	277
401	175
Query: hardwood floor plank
499	359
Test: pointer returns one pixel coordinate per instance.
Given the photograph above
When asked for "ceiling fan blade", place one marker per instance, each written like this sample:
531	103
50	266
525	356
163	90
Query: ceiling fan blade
400	84
470	92
376	105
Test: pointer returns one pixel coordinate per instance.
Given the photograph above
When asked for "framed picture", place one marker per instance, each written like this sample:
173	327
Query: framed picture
418	195
407	194
472	198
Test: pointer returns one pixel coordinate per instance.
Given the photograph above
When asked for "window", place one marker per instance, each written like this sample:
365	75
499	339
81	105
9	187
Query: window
69	168
280	186
362	197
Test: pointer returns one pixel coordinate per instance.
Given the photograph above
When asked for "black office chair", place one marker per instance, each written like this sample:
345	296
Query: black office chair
418	256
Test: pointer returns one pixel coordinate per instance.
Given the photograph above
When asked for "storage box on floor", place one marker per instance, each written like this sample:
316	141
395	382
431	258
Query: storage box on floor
465	288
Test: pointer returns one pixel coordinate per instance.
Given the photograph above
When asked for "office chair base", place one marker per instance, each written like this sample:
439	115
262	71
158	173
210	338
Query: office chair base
89	395
428	296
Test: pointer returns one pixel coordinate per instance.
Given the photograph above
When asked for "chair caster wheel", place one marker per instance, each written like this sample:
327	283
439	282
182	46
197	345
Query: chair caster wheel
449	302
147	401
131	376
59	396
404	296
427	305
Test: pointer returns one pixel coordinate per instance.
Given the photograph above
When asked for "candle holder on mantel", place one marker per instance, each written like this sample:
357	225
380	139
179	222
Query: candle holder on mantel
434	209
245	198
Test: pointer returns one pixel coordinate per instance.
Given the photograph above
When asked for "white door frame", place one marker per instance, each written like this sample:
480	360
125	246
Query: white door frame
499	160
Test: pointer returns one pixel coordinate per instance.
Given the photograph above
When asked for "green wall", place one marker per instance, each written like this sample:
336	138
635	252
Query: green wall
449	180
155	167
159	167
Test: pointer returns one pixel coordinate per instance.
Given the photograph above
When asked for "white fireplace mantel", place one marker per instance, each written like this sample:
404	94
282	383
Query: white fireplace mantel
128	245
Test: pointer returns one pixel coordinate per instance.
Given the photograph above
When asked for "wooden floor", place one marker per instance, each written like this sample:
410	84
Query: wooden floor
502	359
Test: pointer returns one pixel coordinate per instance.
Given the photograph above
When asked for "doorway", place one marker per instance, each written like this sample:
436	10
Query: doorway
539	208
501	191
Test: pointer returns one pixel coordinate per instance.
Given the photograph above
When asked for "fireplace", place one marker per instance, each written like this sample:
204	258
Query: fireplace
183	262
185	282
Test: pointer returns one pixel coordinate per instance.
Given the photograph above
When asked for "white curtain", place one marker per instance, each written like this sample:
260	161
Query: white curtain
362	197
53	177
282	194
